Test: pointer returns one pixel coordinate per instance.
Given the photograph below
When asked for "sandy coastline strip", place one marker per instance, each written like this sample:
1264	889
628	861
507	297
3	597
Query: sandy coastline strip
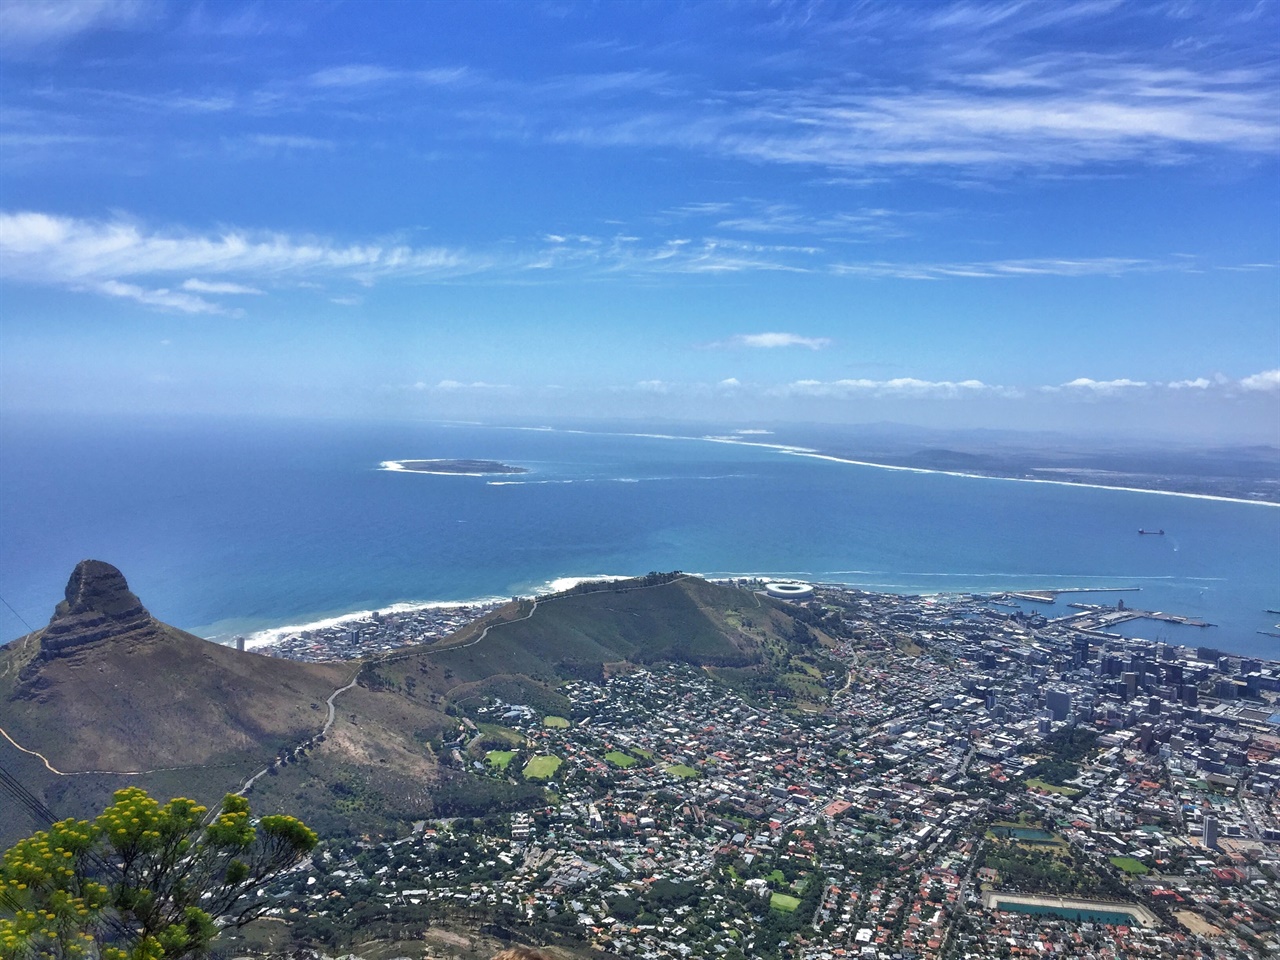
267	636
813	454
1060	483
798	451
993	899
270	635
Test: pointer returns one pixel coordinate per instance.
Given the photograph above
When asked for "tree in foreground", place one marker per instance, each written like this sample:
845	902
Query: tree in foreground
142	881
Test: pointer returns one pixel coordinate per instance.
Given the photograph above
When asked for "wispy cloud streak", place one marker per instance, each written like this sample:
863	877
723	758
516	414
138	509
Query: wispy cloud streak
1043	267
26	23
162	298
41	248
1046	113
44	248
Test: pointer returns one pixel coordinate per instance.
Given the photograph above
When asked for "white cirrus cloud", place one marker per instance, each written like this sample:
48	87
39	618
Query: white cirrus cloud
997	269
1078	112
43	248
195	285
363	76
1199	383
38	22
286	141
1267	380
162	298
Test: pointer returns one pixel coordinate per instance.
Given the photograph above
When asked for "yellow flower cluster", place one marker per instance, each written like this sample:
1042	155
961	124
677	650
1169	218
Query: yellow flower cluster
136	822
233	828
48	903
50	907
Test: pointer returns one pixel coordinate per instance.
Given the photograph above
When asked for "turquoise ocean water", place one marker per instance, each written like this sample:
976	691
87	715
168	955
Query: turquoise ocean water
225	527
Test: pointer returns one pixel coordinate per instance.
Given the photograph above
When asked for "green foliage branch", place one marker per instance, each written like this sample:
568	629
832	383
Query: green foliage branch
143	881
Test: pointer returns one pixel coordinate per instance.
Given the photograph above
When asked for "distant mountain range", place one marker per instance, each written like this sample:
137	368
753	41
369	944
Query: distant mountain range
107	696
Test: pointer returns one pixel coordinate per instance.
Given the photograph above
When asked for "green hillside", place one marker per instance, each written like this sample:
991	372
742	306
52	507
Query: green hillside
111	697
746	639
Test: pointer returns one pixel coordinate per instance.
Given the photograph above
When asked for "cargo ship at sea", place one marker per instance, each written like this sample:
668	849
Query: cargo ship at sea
1151	533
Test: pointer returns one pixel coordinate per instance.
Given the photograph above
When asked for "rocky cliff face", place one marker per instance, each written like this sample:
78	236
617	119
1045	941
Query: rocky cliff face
107	688
99	606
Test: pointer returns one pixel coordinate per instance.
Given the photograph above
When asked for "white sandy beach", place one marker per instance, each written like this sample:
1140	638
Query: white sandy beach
270	635
816	455
266	637
798	451
398	466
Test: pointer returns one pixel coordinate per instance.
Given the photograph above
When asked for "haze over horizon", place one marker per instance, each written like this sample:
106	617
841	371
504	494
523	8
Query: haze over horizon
952	215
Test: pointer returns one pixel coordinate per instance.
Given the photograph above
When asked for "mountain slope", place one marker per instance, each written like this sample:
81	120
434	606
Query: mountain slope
107	687
109	697
377	764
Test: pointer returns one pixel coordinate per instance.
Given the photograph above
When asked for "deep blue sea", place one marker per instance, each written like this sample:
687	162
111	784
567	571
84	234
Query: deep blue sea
225	527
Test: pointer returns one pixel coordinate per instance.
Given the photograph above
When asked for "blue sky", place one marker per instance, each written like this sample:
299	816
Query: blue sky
1032	215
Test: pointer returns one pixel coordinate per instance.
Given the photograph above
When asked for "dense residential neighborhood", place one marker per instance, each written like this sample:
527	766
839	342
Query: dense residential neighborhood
982	781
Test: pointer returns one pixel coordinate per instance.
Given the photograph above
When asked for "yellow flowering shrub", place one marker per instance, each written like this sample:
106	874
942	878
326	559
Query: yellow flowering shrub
143	881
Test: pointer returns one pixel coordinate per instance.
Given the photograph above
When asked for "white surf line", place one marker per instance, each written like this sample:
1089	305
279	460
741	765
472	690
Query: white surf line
397	466
817	455
982	476
269	636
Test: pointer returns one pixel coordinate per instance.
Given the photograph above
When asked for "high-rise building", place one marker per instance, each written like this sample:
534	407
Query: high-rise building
1058	703
1210	834
1130	680
1080	651
1226	689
